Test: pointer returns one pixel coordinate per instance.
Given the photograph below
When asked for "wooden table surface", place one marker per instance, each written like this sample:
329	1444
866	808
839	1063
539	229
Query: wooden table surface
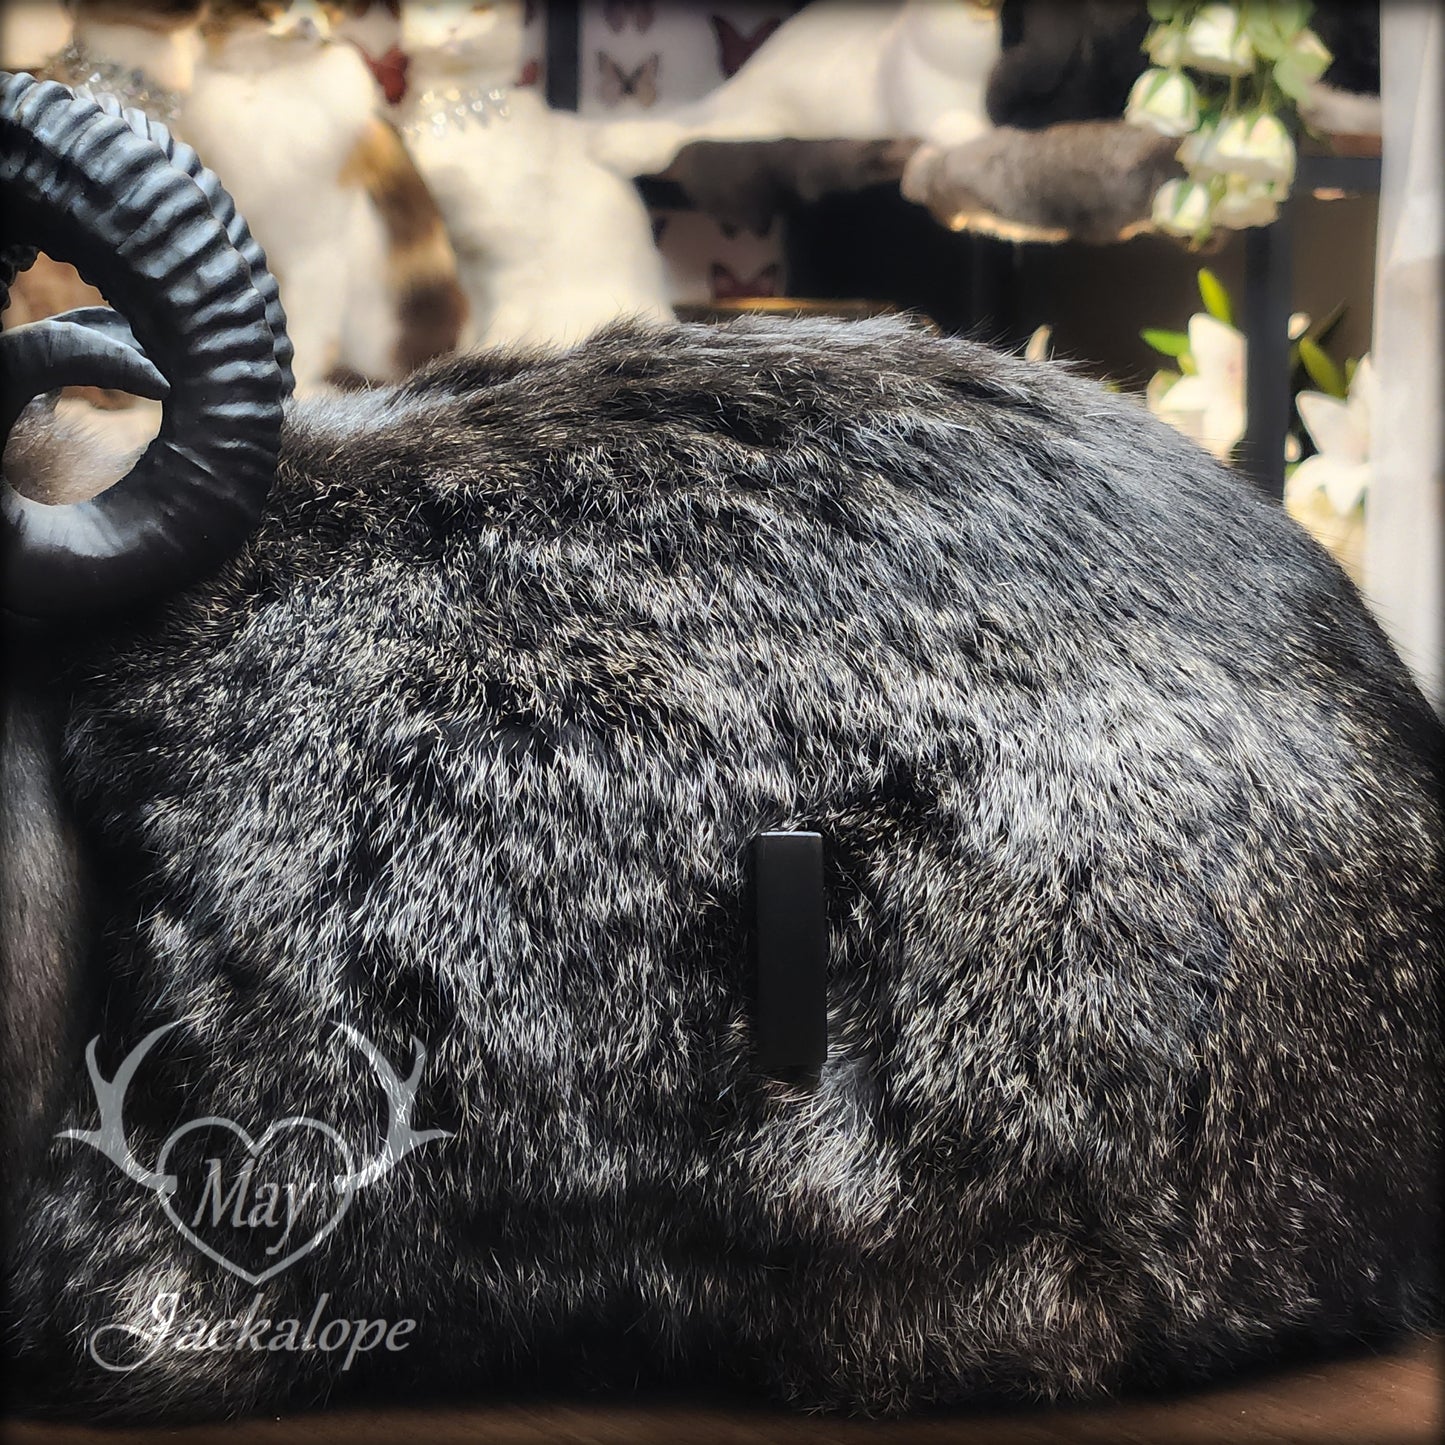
1378	1400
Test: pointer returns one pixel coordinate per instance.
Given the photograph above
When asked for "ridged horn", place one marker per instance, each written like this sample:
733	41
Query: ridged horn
82	186
184	158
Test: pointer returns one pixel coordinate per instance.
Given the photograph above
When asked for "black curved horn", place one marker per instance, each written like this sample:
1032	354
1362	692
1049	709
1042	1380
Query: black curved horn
89	347
184	158
82	186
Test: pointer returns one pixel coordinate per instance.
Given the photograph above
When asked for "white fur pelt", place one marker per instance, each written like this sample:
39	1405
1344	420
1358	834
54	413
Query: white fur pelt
839	69
278	117
550	244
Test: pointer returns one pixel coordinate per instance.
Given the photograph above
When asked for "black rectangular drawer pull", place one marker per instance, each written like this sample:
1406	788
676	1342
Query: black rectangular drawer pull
790	953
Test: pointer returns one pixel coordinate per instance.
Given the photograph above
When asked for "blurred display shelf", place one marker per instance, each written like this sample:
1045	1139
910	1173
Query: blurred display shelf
967	282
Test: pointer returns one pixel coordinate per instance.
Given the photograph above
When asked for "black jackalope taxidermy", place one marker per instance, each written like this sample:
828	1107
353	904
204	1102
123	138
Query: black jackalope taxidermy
386	768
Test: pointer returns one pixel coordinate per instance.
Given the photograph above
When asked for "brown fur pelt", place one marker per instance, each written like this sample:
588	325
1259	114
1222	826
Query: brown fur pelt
421	264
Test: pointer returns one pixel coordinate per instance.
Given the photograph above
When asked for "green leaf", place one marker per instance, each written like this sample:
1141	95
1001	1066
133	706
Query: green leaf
1323	330
1352	365
1166	343
1272	24
1163	10
1291	16
1322	371
1300	64
1289	81
1215	297
1264	35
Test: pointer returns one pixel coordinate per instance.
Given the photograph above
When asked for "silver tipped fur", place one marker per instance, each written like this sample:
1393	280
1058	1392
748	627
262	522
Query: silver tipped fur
1135	891
1134	882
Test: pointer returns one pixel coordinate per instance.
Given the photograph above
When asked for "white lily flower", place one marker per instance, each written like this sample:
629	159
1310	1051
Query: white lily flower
1182	208
1209	405
1216	42
1165	47
1040	344
1340	431
1196	153
1164	100
1255	148
1246	203
1159	385
1326	493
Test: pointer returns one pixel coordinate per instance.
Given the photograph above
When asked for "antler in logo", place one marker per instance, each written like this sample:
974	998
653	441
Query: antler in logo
110	1138
401	1138
249	1211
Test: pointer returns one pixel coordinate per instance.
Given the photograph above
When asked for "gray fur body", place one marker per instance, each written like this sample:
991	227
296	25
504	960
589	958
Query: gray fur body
42	920
1091	181
1134	890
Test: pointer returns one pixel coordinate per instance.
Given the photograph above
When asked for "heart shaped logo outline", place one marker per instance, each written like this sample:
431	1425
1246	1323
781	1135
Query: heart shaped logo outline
341	1184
